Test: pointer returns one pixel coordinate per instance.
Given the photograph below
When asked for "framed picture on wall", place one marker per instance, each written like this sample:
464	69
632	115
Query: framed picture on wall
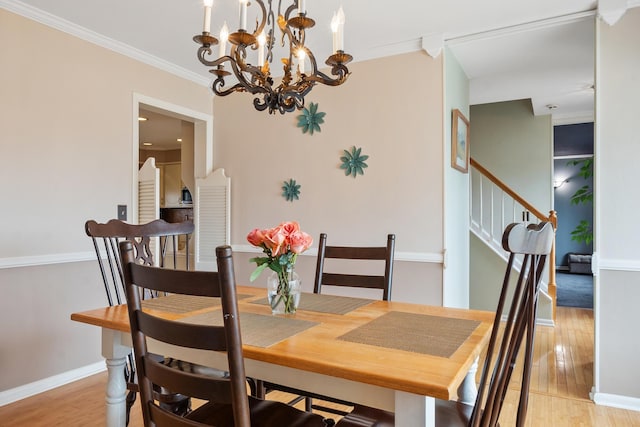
460	141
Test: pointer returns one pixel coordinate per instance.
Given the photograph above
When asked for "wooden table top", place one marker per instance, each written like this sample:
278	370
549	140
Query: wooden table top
318	348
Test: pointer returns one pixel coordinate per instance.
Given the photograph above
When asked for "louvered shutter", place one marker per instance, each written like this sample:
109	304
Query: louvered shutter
212	216
149	197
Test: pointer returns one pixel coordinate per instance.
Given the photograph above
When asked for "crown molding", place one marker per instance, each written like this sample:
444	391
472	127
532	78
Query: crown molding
456	39
610	11
90	36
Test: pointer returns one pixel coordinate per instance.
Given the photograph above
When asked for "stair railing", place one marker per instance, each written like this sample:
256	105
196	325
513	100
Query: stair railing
494	205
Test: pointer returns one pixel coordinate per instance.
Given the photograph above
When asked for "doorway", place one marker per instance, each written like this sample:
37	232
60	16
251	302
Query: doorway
173	122
573	201
195	158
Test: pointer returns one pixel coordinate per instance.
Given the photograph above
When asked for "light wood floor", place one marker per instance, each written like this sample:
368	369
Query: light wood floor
561	381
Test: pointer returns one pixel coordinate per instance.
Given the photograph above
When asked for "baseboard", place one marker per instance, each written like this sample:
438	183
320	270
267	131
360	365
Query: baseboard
616	401
31	389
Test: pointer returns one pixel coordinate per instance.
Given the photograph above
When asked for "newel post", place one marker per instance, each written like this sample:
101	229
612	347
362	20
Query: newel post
553	219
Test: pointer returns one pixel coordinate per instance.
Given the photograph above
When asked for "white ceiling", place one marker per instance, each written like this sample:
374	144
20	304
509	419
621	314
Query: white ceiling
509	49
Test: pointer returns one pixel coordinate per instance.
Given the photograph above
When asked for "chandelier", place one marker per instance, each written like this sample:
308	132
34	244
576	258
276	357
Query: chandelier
252	70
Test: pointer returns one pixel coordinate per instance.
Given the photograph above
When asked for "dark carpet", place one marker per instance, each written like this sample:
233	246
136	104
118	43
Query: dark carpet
574	290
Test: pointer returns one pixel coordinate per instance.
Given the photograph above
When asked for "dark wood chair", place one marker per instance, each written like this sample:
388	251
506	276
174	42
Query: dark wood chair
532	244
227	403
106	238
382	254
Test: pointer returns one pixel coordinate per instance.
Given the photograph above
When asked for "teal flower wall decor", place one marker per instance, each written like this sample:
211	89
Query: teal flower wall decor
310	120
291	190
353	162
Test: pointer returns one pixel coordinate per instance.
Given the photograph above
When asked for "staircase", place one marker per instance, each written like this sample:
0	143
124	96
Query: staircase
493	206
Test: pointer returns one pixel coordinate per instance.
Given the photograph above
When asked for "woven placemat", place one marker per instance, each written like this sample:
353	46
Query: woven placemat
256	329
418	333
183	303
325	303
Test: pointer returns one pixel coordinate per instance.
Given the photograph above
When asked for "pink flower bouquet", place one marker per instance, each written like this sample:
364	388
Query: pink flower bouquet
281	244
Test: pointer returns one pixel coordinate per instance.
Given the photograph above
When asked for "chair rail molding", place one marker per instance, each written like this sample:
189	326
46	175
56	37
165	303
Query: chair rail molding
47	259
427	257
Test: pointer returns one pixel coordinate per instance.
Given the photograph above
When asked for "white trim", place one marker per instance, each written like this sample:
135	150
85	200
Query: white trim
86	34
31	389
616	401
36	260
619	264
573	118
398	256
519	28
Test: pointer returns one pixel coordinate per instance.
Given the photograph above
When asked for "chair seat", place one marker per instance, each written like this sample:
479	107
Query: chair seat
448	414
264	413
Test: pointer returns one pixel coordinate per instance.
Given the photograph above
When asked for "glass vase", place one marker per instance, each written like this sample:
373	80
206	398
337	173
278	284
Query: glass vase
283	291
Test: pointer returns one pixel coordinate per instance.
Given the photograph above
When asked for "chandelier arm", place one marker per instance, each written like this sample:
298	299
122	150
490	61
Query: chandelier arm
340	71
270	35
206	51
260	26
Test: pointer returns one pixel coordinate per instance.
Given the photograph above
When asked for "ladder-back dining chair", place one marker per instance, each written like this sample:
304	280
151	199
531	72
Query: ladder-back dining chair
106	238
382	255
532	244
227	403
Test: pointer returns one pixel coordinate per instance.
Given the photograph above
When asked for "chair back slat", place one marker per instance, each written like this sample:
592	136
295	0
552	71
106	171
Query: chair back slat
106	238
144	325
380	253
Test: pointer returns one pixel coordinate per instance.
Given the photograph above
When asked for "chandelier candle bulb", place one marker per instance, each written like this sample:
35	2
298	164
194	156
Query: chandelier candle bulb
334	32
302	7
224	36
243	15
340	36
207	16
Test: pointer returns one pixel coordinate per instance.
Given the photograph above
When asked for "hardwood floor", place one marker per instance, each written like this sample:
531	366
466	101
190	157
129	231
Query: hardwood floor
559	397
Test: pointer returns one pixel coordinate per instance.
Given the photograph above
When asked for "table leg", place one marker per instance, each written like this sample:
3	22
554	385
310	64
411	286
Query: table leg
468	389
115	354
413	410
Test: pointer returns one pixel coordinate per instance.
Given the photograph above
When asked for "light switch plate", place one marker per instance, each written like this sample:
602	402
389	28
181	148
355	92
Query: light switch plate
122	212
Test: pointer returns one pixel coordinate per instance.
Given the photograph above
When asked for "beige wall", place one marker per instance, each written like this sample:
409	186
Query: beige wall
66	114
617	288
401	192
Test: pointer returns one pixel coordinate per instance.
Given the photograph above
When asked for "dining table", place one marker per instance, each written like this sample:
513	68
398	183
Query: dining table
390	355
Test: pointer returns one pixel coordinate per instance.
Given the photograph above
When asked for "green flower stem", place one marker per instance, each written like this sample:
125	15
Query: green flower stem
284	292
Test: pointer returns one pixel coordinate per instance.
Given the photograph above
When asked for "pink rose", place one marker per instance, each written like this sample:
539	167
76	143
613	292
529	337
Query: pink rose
290	227
256	237
299	241
274	239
